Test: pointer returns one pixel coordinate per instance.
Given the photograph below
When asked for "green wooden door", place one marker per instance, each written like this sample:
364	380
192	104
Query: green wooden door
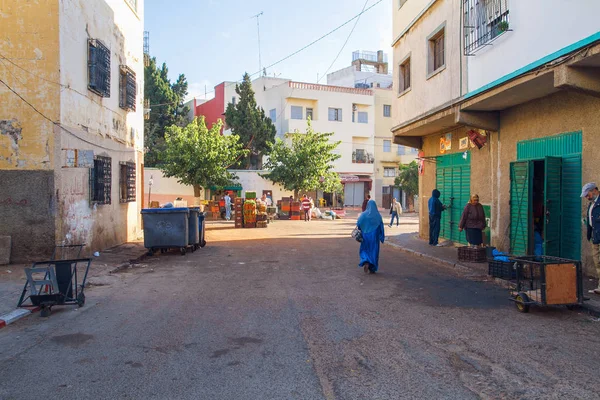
552	206
521	184
454	183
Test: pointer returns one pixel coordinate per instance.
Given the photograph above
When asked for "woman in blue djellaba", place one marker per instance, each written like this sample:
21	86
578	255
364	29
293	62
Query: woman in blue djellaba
370	225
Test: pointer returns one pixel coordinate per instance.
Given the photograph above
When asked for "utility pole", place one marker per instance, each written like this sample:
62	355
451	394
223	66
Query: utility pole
257	16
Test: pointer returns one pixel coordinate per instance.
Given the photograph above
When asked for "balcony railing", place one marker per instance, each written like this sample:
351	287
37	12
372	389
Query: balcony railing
329	88
368	56
362	158
484	20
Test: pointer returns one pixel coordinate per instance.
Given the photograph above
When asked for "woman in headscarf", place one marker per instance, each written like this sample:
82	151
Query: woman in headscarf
473	221
370	225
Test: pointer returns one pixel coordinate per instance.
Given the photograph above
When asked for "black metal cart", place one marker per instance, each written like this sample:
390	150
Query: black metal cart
55	282
545	281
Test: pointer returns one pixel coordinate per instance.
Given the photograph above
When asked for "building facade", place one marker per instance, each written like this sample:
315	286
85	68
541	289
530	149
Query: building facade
214	109
71	124
521	133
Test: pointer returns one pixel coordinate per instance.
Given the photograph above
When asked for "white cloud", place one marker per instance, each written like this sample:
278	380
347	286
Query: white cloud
197	90
226	35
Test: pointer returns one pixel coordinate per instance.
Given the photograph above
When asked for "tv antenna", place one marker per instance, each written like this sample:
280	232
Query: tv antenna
257	16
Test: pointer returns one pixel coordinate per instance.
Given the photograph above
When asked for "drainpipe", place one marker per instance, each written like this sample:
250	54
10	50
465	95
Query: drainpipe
460	36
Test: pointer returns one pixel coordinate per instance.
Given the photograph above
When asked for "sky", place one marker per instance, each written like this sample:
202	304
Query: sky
211	41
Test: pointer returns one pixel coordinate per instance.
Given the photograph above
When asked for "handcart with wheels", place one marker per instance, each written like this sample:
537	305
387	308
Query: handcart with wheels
67	251
547	281
55	283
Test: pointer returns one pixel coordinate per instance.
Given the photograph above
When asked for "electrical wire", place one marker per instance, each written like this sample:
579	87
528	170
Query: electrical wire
292	54
58	123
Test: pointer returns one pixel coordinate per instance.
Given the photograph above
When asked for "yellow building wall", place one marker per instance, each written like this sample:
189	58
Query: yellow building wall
29	59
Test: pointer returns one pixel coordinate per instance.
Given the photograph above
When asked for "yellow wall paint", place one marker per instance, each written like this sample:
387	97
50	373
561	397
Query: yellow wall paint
28	38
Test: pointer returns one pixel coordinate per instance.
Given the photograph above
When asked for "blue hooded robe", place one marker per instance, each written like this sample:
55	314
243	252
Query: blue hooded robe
370	224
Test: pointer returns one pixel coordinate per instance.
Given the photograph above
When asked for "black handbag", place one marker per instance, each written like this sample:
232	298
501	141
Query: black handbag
357	234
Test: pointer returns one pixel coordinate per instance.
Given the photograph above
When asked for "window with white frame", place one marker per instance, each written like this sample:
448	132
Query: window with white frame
363	117
296	112
387	146
389	172
436	43
387	110
273	115
404	75
309	113
335	114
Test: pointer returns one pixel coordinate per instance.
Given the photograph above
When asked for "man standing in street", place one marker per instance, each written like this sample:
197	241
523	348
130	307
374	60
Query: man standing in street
227	206
306	208
396	212
364	204
435	215
591	193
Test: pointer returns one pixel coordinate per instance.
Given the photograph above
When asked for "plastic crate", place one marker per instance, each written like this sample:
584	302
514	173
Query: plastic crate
472	254
502	269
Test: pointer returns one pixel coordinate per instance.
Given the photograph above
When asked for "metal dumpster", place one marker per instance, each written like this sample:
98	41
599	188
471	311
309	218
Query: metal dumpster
202	226
193	231
166	228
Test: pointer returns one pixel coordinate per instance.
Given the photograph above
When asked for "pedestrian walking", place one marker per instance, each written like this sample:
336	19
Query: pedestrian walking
365	202
306	208
370	224
473	222
227	206
435	215
395	211
592	219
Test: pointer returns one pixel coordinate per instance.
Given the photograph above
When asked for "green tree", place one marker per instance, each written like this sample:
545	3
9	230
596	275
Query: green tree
166	105
304	162
199	156
408	178
249	122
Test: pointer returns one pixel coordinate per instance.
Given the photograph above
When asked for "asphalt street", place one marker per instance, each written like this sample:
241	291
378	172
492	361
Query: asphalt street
285	313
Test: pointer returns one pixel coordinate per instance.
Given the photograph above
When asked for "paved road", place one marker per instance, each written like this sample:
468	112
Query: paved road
284	313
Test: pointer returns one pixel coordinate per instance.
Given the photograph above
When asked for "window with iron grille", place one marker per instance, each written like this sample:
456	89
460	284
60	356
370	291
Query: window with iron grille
98	68
483	21
100	180
389	172
127	88
404	78
127	182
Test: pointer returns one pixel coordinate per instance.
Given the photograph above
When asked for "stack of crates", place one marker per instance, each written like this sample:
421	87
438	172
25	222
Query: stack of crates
239	212
284	208
214	209
249	211
296	213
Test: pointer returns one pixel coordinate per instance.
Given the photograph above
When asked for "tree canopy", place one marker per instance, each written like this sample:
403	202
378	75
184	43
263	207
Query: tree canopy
408	178
304	162
248	121
166	105
199	156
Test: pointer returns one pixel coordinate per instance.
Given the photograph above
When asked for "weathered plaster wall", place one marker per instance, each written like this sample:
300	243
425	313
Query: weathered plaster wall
553	115
29	42
99	124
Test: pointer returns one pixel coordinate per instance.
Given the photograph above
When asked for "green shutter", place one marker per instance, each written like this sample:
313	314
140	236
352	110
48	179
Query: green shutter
552	206
521	183
571	208
454	183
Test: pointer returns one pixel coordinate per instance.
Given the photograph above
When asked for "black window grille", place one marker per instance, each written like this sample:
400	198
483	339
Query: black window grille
100	180
98	68
127	88
127	182
483	21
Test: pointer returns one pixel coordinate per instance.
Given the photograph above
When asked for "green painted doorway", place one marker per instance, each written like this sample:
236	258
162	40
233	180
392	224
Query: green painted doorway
453	180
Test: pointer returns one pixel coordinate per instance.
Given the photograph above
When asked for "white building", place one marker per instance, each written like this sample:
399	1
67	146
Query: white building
347	112
368	70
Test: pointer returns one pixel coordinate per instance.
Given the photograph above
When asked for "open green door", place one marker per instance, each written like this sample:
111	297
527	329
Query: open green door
552	206
521	184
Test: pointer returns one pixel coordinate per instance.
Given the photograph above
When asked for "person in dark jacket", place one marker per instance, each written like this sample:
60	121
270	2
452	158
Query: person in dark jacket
435	215
592	219
473	221
364	204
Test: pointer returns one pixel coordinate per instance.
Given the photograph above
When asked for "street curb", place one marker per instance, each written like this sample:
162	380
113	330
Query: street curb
593	311
16	315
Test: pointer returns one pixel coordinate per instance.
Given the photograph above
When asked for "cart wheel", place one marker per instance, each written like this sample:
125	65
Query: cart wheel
45	312
203	243
80	299
163	251
183	251
151	252
519	300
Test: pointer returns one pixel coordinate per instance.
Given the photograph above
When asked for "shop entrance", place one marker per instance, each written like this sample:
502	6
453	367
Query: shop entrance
545	207
453	180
